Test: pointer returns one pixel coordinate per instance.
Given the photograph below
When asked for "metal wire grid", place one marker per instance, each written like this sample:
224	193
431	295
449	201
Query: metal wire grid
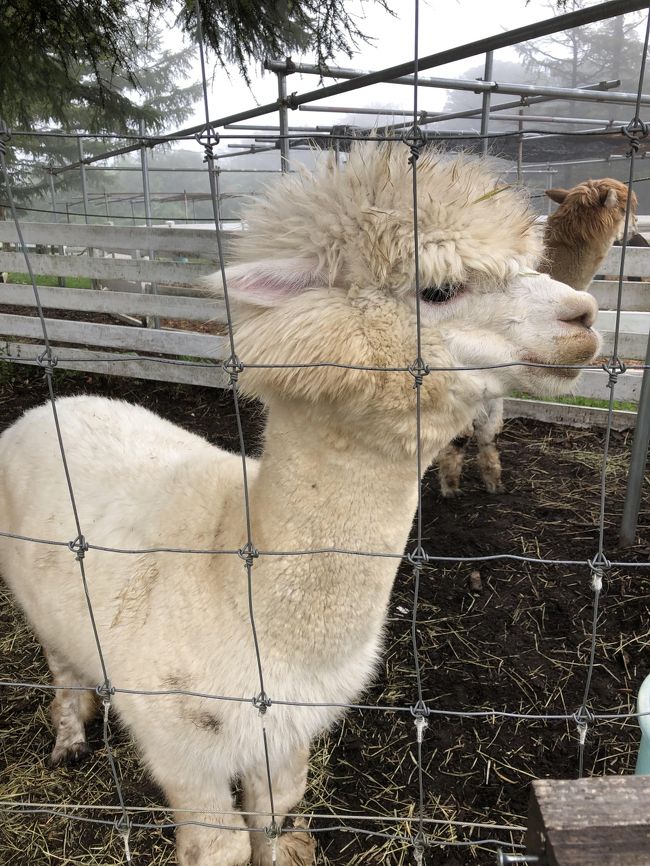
598	566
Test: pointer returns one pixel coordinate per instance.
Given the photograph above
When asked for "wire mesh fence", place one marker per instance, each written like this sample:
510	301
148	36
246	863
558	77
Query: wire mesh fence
414	832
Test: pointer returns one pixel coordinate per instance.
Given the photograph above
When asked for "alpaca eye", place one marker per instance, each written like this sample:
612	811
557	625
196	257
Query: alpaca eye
438	294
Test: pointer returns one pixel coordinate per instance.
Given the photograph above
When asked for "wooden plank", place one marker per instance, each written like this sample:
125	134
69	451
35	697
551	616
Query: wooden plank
630	346
181	372
636	296
117	336
593	383
202	242
637	262
602	821
138	270
570	416
116	303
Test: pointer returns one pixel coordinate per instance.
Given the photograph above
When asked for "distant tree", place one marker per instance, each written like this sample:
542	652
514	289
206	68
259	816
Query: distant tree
45	42
609	49
160	98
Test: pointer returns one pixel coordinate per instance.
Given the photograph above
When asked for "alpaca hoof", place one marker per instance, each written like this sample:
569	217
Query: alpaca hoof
297	848
231	848
70	755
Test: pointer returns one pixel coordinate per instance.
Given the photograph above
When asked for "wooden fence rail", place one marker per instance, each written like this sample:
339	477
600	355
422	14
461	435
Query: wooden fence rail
125	277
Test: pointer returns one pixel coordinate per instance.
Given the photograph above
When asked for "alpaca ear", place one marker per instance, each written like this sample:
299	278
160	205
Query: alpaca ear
610	200
266	282
557	195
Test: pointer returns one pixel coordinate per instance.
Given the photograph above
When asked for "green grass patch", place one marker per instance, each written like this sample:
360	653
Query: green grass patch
619	405
45	280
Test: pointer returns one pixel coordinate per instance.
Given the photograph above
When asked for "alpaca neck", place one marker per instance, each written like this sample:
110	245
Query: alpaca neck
320	485
575	261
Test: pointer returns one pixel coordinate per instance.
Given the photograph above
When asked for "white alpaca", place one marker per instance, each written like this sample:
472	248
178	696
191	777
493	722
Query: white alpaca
325	273
577	237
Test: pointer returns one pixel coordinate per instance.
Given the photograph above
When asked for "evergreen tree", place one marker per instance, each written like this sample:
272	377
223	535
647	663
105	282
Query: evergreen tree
154	92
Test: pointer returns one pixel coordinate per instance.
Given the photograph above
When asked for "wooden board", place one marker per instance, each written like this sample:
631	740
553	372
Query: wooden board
116	303
603	821
637	262
138	270
198	242
117	337
636	296
570	416
183	373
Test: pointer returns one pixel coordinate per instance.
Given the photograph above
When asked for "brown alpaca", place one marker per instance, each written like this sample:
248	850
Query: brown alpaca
577	237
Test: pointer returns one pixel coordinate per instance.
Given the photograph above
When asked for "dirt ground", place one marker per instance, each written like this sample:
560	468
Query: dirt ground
513	636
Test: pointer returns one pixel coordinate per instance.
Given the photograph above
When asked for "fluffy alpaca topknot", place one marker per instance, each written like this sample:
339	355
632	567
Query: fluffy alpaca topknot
355	222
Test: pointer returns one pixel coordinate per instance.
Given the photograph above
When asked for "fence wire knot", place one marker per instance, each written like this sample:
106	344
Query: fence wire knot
420	712
417	557
248	553
47	361
79	546
418	369
418	849
635	132
415	138
598	565
262	702
123	827
233	367
583	717
614	369
105	692
207	139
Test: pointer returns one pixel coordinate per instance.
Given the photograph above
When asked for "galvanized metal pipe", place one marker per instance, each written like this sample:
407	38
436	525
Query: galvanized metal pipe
82	175
473	85
471	49
485	106
151	321
638	458
283	113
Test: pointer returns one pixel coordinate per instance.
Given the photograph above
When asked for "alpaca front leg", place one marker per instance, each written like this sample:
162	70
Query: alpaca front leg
486	430
450	466
288	783
70	710
489	464
225	839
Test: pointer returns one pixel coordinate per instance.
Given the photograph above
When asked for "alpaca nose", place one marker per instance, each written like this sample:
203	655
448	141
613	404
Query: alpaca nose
581	310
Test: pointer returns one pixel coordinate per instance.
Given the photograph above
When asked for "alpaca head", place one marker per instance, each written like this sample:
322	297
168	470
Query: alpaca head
593	211
326	273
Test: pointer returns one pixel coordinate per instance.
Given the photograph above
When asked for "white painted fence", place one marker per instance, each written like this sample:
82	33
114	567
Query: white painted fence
114	258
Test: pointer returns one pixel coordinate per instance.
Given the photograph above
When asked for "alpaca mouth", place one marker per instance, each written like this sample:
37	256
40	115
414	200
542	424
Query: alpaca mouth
538	364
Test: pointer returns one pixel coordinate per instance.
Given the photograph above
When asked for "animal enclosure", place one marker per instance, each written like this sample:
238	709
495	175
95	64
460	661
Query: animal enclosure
516	631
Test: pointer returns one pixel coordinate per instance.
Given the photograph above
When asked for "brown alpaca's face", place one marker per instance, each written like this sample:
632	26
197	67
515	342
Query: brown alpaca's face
595	208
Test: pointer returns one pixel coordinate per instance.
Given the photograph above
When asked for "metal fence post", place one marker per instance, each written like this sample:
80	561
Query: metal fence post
82	175
84	195
283	112
151	321
59	249
638	457
487	95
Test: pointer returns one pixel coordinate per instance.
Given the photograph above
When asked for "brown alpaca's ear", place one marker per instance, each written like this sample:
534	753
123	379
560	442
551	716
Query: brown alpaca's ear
609	199
557	195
